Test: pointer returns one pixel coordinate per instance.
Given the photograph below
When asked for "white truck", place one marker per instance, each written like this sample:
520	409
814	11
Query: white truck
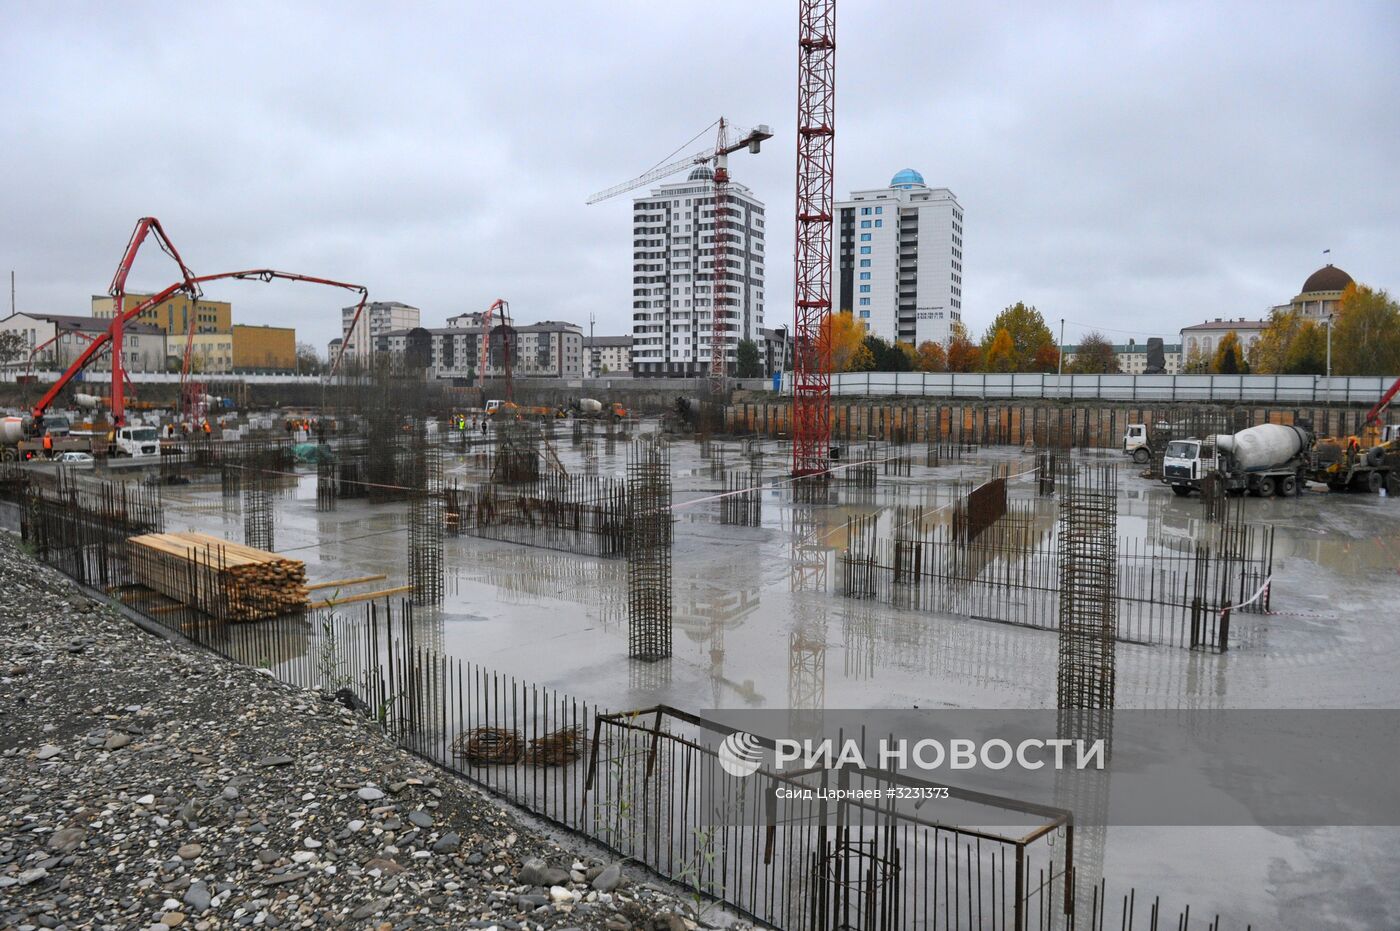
1140	441
1267	460
20	440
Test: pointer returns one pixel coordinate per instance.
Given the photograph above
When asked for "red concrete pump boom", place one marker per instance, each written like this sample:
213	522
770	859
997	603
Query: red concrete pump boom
1374	414
191	285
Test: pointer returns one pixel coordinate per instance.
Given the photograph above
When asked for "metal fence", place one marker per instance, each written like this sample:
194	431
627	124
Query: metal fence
1264	389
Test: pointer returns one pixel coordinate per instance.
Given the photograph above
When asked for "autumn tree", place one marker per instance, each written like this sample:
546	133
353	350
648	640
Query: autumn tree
1028	333
1277	337
1000	354
1195	363
932	357
911	355
1366	333
1094	356
963	355
1307	351
846	337
1229	357
1047	359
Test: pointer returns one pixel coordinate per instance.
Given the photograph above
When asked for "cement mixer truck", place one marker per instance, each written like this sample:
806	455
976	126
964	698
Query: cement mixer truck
1270	459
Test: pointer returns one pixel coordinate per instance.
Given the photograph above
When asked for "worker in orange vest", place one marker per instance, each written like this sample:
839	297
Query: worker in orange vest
48	443
206	428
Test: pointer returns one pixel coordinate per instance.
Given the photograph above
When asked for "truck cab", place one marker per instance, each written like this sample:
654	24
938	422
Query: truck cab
138	441
1137	444
1185	463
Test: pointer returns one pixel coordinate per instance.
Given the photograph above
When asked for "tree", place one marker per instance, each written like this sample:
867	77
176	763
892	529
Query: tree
885	357
932	357
1028	333
1229	359
1047	359
747	363
308	361
1307	351
1000	355
1095	356
1275	339
963	354
846	337
1195	363
13	348
1366	333
911	355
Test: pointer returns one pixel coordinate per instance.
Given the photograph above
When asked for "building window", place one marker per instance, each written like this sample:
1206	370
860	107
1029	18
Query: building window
865	211
865	276
879	223
879	209
864	263
865	237
865	314
865	224
865	302
865	289
864	250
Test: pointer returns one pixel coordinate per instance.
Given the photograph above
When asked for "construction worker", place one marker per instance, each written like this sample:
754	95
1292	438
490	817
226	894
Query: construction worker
48	444
206	427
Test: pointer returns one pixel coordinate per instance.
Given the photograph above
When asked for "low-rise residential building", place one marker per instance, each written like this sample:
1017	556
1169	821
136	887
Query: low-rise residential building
548	349
377	318
776	350
264	348
608	355
64	338
333	350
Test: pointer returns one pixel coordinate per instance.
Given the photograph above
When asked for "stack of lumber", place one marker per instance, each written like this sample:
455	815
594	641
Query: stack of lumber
224	579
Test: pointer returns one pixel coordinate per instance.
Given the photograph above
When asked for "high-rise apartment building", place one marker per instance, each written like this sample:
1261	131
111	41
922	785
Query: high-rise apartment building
673	240
898	261
377	317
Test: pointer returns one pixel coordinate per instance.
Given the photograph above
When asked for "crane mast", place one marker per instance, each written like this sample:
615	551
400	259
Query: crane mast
719	266
816	144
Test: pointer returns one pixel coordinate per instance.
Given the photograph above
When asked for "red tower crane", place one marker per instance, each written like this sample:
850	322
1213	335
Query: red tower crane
816	144
720	302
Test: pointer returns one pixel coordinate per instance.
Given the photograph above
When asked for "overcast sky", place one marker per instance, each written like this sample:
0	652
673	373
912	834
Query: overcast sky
1129	167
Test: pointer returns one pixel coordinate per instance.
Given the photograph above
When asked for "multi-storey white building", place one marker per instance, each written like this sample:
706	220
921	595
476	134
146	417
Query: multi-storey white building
898	259
673	239
377	317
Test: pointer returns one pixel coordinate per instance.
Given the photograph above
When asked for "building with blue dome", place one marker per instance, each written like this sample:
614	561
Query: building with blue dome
898	264
907	179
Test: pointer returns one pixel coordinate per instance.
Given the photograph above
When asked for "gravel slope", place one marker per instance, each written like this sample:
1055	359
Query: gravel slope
145	784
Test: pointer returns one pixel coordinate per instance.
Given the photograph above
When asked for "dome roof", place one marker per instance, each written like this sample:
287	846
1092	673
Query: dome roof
906	178
1327	278
701	173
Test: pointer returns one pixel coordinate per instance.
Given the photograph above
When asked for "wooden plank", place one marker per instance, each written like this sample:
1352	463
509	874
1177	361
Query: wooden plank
357	580
364	596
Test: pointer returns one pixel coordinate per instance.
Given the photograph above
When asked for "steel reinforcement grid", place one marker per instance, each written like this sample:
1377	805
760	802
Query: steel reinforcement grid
640	782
